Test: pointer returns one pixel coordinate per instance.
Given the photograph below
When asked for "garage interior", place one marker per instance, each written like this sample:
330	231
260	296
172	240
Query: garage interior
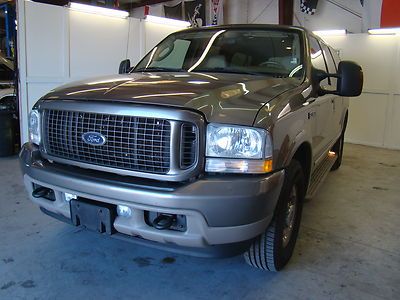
348	245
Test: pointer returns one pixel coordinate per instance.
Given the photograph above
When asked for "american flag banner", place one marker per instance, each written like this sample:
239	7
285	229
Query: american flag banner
308	6
217	12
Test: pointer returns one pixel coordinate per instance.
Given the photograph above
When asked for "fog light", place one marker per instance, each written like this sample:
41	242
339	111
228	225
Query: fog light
124	211
68	197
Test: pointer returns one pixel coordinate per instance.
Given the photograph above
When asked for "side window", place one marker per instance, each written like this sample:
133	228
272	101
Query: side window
331	66
317	59
336	57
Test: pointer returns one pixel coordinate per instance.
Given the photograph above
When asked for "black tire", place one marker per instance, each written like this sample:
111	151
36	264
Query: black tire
338	148
270	251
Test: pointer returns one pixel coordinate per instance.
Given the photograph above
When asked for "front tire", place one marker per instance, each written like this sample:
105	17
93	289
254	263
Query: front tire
272	250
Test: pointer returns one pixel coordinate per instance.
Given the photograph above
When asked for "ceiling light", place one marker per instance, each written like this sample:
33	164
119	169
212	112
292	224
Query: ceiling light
167	21
330	32
99	10
379	31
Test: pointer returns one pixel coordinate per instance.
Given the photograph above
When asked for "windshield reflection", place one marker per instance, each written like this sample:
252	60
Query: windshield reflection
257	52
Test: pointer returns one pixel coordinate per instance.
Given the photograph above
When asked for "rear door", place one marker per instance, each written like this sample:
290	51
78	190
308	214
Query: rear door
337	101
322	114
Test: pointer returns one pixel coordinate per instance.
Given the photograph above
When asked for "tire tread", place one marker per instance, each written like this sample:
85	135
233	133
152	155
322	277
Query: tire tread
262	252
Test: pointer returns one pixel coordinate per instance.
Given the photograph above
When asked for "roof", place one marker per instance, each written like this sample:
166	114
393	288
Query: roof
249	26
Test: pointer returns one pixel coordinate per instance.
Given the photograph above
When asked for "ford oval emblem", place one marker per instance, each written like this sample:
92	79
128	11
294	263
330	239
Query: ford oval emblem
94	138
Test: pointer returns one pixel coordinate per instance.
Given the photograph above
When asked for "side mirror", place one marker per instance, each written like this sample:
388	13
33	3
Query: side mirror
124	66
350	79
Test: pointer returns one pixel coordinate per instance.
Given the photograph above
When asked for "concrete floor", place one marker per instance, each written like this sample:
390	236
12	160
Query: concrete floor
348	248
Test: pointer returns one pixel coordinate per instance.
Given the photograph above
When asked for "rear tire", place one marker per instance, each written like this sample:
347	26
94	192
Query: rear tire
272	250
338	149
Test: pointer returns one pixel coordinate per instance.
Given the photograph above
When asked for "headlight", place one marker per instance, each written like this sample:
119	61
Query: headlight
237	149
34	127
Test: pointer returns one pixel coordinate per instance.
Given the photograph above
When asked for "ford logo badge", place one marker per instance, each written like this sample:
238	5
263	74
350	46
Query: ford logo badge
94	138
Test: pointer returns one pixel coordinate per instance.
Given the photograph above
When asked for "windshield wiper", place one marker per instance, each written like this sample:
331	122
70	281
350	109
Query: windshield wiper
157	69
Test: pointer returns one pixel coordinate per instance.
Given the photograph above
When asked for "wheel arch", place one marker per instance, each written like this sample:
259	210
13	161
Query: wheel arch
303	155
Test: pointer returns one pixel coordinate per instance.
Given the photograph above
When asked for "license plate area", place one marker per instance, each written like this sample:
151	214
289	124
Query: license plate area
92	215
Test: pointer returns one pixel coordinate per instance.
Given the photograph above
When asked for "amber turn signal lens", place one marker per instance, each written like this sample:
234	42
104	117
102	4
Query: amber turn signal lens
268	166
229	165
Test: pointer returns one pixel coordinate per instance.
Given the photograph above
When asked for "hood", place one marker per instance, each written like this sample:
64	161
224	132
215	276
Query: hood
223	98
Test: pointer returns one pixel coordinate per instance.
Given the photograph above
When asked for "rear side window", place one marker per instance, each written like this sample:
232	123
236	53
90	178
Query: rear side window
336	57
331	66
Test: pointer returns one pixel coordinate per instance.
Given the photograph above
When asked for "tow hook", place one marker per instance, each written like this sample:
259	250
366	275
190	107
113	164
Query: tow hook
163	221
41	192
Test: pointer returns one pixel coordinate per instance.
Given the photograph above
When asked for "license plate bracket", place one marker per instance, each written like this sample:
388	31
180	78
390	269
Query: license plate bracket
93	216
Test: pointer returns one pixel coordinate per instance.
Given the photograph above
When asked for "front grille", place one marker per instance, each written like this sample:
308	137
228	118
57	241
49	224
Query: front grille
132	143
188	145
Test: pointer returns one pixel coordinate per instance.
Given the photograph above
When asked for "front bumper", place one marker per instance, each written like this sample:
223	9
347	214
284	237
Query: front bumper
218	209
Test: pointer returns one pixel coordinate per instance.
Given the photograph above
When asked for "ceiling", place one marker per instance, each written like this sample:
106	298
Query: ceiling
123	4
138	3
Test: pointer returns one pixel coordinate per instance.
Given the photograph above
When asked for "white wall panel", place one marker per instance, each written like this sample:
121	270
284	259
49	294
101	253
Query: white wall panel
46	24
154	33
367	116
375	115
97	44
39	89
376	54
392	139
58	45
263	12
396	68
135	45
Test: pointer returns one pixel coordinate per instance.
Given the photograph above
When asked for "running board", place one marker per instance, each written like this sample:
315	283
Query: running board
319	174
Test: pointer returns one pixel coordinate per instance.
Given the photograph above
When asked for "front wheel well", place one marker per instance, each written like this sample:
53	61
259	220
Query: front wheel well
303	156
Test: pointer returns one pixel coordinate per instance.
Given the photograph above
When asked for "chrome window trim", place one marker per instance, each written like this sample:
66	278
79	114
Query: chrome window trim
175	115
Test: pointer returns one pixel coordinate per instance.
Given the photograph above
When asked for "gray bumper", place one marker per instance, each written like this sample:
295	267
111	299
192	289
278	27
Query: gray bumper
219	210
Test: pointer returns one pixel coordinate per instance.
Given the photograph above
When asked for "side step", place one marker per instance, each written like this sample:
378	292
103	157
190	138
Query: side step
320	173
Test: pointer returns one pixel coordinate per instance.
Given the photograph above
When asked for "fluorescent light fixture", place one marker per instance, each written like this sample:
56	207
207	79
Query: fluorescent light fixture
330	32
99	10
380	31
167	21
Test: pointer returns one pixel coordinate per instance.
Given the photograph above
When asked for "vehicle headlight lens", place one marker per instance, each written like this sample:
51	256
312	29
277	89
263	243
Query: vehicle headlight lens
34	127
235	141
238	149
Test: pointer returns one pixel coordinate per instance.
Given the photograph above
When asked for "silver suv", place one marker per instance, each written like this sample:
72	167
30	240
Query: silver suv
208	146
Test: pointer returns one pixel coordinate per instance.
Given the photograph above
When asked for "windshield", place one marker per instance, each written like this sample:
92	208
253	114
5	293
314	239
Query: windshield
259	52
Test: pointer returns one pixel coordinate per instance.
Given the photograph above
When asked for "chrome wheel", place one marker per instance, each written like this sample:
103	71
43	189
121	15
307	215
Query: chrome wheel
290	217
